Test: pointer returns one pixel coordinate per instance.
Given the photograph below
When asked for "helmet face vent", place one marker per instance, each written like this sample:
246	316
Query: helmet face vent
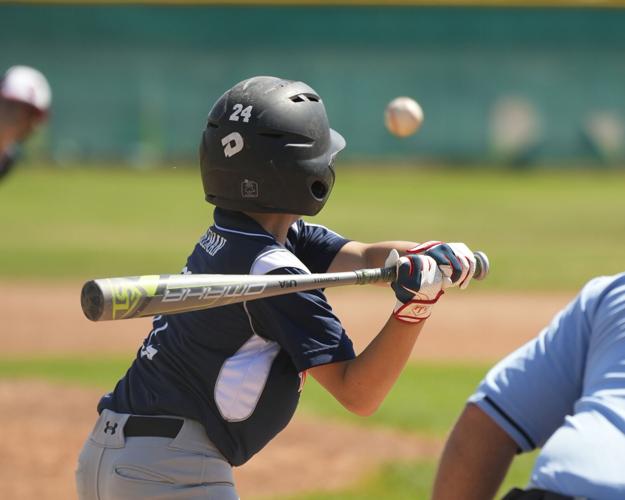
319	190
305	98
212	125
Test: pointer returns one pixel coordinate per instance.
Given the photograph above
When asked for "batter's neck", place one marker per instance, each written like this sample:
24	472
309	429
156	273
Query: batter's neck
275	224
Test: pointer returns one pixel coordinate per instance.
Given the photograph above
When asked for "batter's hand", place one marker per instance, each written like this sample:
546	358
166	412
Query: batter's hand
418	286
455	260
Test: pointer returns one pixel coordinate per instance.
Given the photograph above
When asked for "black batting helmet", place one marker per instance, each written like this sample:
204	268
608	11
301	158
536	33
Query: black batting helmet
268	147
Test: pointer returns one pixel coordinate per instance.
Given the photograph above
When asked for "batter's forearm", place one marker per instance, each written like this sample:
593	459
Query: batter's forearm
356	255
376	253
362	383
378	367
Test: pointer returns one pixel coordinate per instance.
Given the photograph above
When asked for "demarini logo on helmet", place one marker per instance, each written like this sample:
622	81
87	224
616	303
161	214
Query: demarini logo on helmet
233	144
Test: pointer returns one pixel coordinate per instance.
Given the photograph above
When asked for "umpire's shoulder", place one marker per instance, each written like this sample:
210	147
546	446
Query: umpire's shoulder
605	294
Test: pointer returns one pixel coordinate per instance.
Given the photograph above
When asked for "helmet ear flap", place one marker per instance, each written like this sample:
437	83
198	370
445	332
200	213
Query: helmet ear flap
321	187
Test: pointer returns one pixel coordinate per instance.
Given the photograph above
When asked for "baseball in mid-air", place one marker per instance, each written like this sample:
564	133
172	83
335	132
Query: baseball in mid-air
403	116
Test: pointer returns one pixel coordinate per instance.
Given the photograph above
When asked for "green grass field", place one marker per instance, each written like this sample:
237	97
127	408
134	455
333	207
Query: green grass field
543	230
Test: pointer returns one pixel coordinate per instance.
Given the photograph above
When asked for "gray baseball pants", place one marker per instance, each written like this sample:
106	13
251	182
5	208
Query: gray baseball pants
112	466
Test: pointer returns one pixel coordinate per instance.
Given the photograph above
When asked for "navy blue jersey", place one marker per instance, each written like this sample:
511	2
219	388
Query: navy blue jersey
238	368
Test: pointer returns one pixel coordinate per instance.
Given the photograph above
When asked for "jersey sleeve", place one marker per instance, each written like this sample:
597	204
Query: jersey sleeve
530	392
315	245
303	324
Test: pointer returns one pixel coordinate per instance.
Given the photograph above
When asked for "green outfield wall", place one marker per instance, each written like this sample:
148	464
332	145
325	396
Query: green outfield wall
514	85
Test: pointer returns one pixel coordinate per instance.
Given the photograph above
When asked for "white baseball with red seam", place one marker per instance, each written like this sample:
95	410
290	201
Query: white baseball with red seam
403	116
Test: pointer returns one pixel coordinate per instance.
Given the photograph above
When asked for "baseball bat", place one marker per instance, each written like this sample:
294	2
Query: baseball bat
140	296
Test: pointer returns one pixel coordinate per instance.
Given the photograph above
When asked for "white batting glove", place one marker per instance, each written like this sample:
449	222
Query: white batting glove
418	286
455	260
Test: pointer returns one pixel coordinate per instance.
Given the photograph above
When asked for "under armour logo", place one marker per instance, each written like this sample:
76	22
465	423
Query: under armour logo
233	143
109	427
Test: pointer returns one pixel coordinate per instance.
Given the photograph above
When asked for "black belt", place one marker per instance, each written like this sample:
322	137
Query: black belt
534	494
140	426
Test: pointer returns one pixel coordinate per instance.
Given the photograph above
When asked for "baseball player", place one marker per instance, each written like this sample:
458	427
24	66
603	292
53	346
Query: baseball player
564	391
209	389
25	99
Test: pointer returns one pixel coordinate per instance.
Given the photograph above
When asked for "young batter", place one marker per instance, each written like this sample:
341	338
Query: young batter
209	389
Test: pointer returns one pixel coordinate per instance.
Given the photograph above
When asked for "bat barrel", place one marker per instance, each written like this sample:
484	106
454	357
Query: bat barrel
92	300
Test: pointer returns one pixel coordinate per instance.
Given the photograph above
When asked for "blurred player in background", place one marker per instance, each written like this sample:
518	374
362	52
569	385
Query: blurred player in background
25	99
564	391
211	388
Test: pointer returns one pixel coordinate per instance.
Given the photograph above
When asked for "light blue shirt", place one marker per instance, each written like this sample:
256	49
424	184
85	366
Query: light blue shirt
564	391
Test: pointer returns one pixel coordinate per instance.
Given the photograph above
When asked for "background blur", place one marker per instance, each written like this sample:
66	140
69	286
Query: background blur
510	85
521	155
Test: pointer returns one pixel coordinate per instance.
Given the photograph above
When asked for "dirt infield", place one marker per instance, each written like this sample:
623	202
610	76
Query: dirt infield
43	425
46	319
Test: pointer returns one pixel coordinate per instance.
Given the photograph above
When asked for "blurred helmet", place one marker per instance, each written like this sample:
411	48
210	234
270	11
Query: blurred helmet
26	85
267	147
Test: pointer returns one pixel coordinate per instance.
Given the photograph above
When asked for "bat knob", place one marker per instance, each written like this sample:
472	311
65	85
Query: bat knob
482	265
92	300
